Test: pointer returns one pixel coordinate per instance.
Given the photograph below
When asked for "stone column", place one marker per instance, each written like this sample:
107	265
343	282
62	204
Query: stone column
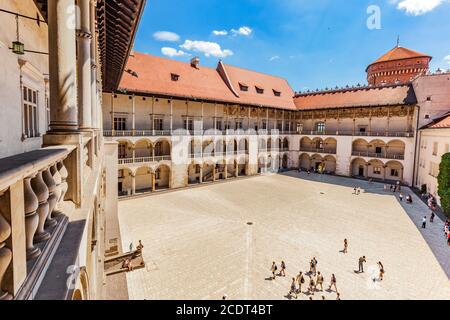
200	180
236	168
5	254
133	183
62	66
95	107
84	68
133	114
52	197
153	182
226	171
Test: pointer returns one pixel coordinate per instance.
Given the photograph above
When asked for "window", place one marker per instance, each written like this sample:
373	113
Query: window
174	76
122	151
238	125
378	150
429	98
320	127
394	172
299	127
243	87
120	123
158	124
30	113
264	125
218	124
434	169
362	129
259	90
279	126
286	126
276	93
377	170
188	124
435	148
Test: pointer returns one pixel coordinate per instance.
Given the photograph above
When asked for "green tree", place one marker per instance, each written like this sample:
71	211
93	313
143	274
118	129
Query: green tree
444	183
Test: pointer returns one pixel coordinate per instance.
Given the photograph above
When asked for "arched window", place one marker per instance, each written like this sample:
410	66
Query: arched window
320	127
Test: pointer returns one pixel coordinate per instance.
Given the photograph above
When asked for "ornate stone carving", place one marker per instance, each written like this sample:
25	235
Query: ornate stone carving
64	174
41	191
31	219
5	255
52	197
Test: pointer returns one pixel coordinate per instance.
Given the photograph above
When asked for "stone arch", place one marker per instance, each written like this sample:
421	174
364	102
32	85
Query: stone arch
359	167
330	145
360	146
194	172
195	147
376	169
394	170
305	144
124	184
163	176
143	148
262	145
243	145
285	144
304	161
143	179
330	164
162	148
395	149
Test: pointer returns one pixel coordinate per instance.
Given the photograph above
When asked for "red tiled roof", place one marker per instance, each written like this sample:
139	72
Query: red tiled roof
400	53
367	96
440	123
154	77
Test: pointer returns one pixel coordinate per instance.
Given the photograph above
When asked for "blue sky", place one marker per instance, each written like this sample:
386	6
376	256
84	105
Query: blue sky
311	43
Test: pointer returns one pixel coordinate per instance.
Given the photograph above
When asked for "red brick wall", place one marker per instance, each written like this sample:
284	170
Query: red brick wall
391	71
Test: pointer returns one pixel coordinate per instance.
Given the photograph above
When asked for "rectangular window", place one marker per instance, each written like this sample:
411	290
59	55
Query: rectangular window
238	125
218	125
264	125
276	93
120	123
286	126
30	113
435	148
279	126
434	169
378	150
259	90
158	124
377	170
122	151
189	124
394	173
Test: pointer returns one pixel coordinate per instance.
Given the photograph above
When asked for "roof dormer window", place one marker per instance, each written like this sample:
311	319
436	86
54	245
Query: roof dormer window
259	90
174	76
276	93
243	86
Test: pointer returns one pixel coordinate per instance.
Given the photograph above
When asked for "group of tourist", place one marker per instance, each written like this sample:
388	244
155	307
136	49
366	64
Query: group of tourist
447	231
316	278
128	262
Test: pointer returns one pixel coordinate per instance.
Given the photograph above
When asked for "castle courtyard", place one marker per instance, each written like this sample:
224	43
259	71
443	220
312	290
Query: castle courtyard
220	239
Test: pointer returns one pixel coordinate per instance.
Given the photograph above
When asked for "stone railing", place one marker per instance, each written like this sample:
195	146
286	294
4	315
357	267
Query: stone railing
208	132
318	150
33	190
144	159
367	154
400	134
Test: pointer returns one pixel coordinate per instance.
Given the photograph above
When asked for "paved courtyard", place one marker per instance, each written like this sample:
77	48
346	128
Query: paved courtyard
198	244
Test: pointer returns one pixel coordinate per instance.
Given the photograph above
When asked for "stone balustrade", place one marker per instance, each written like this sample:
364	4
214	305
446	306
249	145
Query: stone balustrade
33	188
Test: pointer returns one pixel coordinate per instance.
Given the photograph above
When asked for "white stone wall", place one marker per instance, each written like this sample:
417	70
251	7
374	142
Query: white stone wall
30	68
426	157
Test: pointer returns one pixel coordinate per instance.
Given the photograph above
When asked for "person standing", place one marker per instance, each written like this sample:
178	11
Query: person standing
424	222
432	217
358	191
380	265
361	262
398	185
345	246
300	281
333	282
338	296
273	269
283	269
131	247
312	285
293	290
319	281
400	196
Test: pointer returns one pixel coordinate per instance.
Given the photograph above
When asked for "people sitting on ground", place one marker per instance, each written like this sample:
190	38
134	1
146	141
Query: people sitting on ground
127	264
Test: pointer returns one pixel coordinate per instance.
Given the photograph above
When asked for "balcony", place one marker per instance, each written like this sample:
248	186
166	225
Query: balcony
399	134
319	150
182	132
37	195
144	159
378	155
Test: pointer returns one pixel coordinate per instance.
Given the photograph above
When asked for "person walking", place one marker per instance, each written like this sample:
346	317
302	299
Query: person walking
432	217
333	282
273	269
380	265
400	196
354	190
424	222
319	281
293	289
361	262
283	269
345	246
338	296
300	281
313	266
398	186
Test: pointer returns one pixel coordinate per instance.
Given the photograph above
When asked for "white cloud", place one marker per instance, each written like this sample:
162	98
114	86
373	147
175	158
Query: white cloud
207	48
417	7
274	58
447	59
242	31
171	52
220	33
166	36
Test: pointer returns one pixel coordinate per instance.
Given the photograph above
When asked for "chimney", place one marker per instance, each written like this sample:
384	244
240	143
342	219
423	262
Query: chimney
195	62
